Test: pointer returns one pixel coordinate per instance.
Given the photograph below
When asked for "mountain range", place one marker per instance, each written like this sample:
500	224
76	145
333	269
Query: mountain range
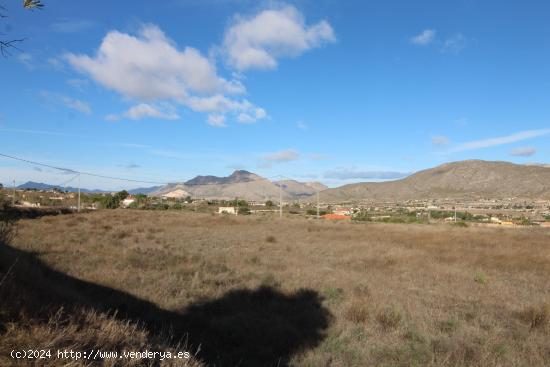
43	186
472	179
240	184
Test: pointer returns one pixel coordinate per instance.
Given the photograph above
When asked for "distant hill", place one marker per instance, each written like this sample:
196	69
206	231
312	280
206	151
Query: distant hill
43	186
144	190
240	184
238	176
465	179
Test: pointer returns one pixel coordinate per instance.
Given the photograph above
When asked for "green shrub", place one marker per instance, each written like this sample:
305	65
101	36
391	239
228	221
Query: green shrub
480	278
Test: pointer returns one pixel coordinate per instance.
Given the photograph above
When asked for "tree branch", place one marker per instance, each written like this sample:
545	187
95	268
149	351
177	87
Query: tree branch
5	46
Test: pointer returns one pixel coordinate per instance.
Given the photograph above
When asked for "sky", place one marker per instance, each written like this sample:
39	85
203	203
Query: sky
316	90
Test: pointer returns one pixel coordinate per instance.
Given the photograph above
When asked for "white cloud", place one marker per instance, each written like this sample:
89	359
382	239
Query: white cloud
440	140
26	59
302	125
318	157
486	143
145	110
77	105
455	44
424	38
352	173
72	103
257	42
283	156
523	152
148	67
216	120
72	25
79	84
140	111
252	116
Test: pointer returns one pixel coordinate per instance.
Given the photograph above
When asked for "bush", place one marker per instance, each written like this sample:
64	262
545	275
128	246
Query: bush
538	317
244	210
389	318
460	224
480	278
525	222
314	212
357	312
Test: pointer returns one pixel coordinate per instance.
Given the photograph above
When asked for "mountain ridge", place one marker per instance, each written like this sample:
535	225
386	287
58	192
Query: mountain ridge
470	179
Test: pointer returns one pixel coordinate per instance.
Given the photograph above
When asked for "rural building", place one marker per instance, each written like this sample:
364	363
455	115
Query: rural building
128	201
342	211
27	204
227	210
495	220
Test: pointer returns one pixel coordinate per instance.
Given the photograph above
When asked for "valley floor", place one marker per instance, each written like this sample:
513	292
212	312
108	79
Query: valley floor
263	291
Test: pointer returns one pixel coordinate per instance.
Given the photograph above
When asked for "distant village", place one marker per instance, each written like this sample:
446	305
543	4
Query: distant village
510	212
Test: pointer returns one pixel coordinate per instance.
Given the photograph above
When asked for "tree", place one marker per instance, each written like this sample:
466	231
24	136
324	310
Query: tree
244	210
121	195
7	44
113	201
269	203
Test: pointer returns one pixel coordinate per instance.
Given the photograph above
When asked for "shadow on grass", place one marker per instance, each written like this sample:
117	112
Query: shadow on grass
9	213
260	327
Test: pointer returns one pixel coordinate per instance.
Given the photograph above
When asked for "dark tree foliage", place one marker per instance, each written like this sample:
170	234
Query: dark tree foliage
11	44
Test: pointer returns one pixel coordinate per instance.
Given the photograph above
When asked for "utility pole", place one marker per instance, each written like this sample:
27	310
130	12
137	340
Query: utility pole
455	213
78	206
317	204
13	199
280	200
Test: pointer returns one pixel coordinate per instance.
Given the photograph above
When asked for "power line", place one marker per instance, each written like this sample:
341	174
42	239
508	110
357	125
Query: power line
70	170
76	172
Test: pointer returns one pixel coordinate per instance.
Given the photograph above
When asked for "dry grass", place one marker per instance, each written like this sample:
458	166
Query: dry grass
397	295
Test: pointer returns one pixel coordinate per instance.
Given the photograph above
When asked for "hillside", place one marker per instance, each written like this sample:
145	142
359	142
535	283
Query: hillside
240	184
43	186
465	179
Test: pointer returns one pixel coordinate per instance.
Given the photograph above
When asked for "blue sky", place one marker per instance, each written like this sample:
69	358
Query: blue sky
335	91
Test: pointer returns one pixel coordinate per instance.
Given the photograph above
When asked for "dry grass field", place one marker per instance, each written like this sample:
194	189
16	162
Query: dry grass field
260	291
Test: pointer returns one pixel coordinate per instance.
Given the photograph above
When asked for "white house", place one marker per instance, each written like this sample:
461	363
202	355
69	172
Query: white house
342	211
227	210
128	201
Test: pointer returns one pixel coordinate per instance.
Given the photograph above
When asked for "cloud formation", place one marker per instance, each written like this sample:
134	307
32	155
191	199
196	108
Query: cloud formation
425	38
72	25
454	44
486	143
72	103
217	120
257	42
283	156
440	140
352	173
146	110
523	152
148	68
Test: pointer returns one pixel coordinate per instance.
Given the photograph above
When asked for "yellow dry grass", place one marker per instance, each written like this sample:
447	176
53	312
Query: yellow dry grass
394	295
